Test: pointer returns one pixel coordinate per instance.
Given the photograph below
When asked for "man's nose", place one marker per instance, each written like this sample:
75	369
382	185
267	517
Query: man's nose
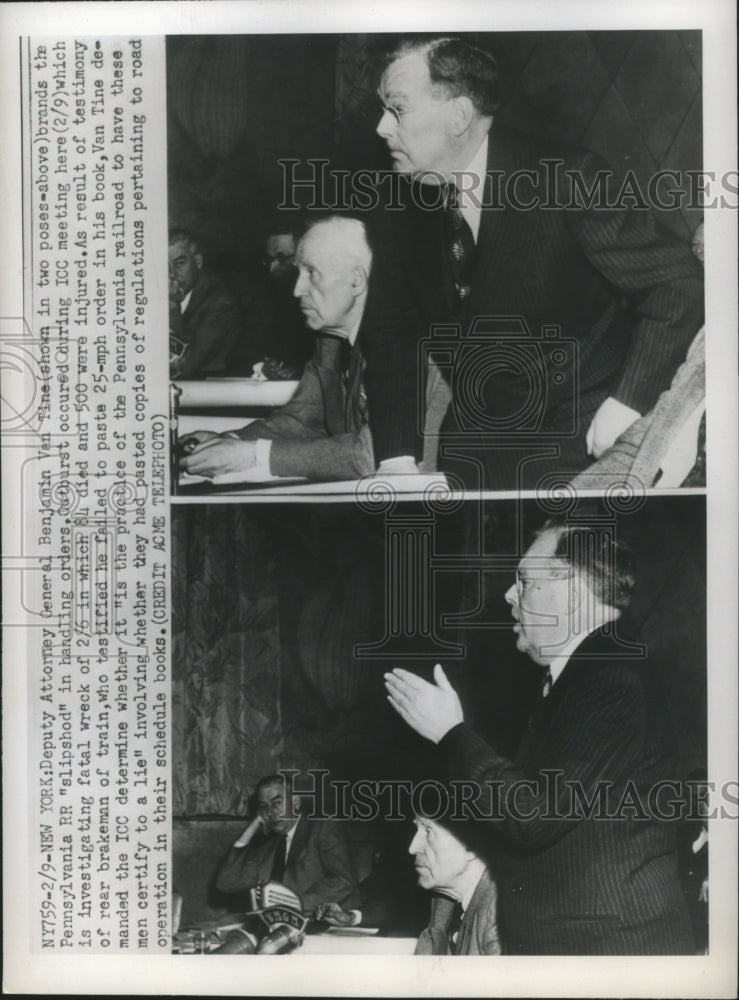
300	286
386	125
511	595
415	846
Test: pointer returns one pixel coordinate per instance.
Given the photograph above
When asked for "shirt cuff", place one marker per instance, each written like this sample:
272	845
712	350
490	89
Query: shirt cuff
261	455
357	917
400	465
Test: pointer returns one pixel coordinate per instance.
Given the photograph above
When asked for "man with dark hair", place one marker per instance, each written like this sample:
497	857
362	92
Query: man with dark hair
557	319
204	318
310	856
275	332
586	854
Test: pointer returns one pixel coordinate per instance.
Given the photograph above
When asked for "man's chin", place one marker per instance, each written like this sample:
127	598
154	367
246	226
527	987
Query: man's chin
423	877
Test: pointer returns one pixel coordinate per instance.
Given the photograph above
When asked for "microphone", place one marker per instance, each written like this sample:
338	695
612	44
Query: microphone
238	942
280	941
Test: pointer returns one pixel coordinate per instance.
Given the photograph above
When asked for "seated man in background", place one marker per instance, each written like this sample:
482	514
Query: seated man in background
204	318
310	856
322	433
463	905
275	331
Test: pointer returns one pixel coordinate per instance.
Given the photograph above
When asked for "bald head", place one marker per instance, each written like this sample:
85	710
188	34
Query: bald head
334	261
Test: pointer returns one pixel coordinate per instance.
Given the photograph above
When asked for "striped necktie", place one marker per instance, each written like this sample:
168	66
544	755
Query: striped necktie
546	683
460	245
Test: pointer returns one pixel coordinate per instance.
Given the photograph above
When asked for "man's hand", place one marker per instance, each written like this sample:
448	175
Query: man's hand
256	824
335	915
431	709
220	455
189	442
609	423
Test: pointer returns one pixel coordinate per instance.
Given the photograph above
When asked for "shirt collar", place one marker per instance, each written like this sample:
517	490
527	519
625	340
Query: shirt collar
471	187
560	662
185	301
289	837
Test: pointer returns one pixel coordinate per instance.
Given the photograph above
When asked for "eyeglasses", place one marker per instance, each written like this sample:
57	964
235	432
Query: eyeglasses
523	583
276	258
398	113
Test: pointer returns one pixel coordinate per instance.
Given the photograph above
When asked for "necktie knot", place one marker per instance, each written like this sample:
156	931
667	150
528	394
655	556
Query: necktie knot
546	683
455	923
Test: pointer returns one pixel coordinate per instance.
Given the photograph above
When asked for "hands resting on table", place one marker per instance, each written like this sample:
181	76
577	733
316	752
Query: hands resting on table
209	454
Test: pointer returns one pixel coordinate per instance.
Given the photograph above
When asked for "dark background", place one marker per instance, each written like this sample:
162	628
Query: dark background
237	104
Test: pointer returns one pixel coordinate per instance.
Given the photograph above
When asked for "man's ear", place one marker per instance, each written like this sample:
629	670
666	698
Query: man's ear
296	805
360	279
463	111
579	592
198	258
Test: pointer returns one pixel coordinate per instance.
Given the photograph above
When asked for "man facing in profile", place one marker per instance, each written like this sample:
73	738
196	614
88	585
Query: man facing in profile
482	234
586	860
463	904
310	856
322	433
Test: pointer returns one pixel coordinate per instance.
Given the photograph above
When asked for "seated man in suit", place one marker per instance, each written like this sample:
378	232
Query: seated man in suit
310	856
463	905
322	433
204	318
586	860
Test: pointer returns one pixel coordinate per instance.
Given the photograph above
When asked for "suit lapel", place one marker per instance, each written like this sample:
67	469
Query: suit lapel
424	248
505	234
297	846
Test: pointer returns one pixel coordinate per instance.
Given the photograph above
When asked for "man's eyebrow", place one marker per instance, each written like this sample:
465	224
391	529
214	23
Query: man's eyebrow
392	96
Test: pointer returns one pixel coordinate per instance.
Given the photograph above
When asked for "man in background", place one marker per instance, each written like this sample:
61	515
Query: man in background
310	856
275	332
204	318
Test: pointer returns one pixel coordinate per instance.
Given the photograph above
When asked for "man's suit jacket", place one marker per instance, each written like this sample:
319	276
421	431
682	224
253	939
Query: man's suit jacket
546	269
478	931
210	326
569	883
322	432
319	866
636	457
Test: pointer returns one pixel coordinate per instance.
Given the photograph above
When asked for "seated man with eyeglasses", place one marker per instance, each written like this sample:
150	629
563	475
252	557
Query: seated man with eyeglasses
275	333
310	856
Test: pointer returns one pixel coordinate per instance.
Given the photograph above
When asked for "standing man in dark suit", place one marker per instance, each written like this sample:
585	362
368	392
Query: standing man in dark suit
311	857
204	318
587	855
572	314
